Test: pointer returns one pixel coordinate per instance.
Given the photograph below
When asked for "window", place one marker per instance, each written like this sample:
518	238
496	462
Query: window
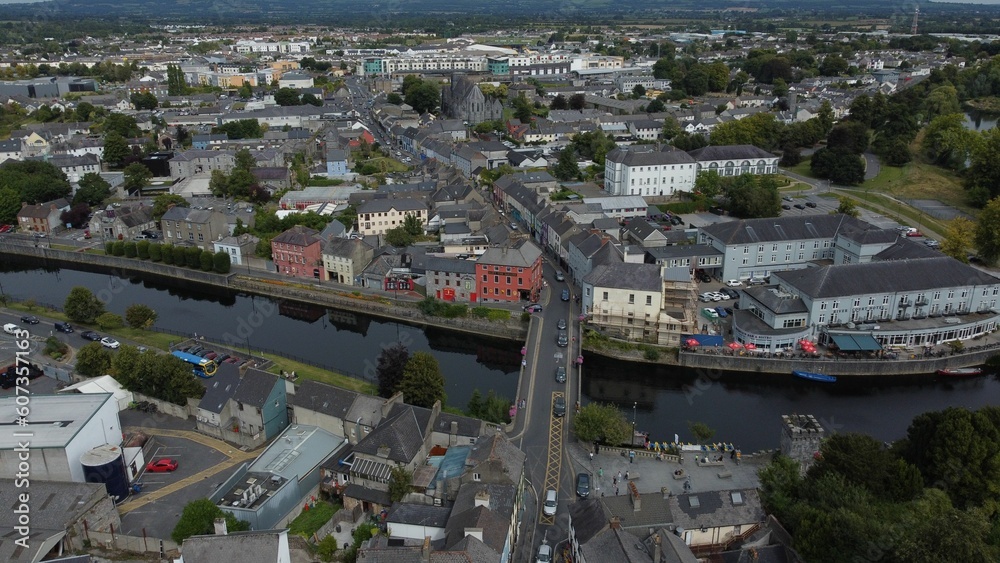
649	300
496	279
822	306
857	301
485	278
605	295
476	477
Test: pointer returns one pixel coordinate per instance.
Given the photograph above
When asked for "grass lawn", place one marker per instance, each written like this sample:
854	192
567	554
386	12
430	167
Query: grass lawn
306	371
803	168
309	521
149	338
64	247
386	164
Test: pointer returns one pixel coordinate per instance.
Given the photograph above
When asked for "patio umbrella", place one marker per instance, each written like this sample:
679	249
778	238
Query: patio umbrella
691	342
734	345
750	346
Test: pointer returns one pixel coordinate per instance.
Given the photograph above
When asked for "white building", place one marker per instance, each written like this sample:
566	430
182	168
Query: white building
295	80
644	170
271	47
239	248
733	160
620	207
380	215
63	428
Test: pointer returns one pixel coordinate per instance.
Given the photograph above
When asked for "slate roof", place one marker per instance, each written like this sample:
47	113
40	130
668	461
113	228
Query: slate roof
644	230
614	545
521	255
780	305
418	515
179	213
220	388
868	234
364	493
656	511
324	399
402	431
496	447
778	229
904	249
647	155
682	251
729	152
39	211
715	509
454	265
589	517
384	205
767	554
235	547
606	224
626	275
255	387
493	519
346	248
896	276
590	245
55	504
298	236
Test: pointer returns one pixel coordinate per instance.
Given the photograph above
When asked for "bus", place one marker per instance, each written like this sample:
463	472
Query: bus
203	367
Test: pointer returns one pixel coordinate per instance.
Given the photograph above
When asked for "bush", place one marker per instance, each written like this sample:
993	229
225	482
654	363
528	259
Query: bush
140	316
221	262
206	261
167	253
192	257
650	353
118	248
142	249
155	252
109	247
130	250
434	308
326	548
682	207
110	321
525	317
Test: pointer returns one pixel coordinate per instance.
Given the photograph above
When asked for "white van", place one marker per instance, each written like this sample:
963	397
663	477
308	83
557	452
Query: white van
551	502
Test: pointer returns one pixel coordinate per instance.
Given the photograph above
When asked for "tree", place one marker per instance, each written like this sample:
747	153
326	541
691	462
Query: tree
118	248
137	177
597	422
10	204
638	91
176	82
422	383
93	189
142	249
942	100
389	369
124	125
192	257
327	548
671	128
244	160
567	168
833	65
708	183
493	408
424	97
221	262
198	519
982	178
155	252
577	102
847	207
76	215
987	235
206	260
287	97
163	202
82	305
864	461
394	99
413	225
523	110
702	432
400	483
116	149
93	360
559	102
167	254
840	166
753	196
398	236
139	315
947	142
218	183
109	321
850	136
130	249
310	99
656	106
144	101
959	238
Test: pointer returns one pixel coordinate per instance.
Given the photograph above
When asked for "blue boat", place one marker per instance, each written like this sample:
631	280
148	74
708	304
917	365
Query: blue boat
822	378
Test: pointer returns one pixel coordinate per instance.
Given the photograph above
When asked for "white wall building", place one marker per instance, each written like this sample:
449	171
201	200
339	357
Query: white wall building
643	170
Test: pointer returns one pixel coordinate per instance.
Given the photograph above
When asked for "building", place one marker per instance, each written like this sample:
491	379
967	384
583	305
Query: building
185	226
451	279
295	80
239	248
65	427
336	162
265	546
344	412
191	162
43	217
622	207
345	258
121	223
510	273
733	160
646	170
260	411
298	252
380	215
314	197
74	167
464	100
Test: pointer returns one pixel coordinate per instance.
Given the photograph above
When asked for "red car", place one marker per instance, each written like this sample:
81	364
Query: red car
914	234
162	465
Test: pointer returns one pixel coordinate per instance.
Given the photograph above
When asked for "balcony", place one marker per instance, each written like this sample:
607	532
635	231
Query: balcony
905	303
921	302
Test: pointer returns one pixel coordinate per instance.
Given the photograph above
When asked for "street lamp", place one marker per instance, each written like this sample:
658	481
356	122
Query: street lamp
634	406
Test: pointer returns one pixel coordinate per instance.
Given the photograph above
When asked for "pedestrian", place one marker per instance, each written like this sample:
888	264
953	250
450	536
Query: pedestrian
591	457
619	474
626	475
614	481
600	472
524	363
616	491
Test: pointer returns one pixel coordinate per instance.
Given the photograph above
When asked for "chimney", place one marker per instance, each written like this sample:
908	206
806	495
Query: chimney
615	523
633	493
425	550
474	532
220	527
24	204
657	548
454	428
482	499
383	451
666	492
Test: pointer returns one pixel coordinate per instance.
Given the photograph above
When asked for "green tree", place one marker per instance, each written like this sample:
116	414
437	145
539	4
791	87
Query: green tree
155	253
413	225
958	239
163	202
206	260
671	128
639	91
833	65
116	149
422	383
245	160
287	97
394	99
167	254
176	83
118	248
389	369
93	190
192	257
93	360
942	100
327	548
597	422
947	142
218	183
398	236
144	101
82	306
142	249
702	432
221	262
840	166
10	204
310	99
982	178
559	103
847	207
987	235
139	315
708	183
198	519
122	124
523	110
130	249
424	97
400	483
109	321
864	461
137	177
567	168
753	197
577	102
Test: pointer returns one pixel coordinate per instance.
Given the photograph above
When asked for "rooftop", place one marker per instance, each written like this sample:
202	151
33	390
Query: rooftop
55	419
296	451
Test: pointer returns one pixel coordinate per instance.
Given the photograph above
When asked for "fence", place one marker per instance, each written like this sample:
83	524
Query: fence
135	544
190	409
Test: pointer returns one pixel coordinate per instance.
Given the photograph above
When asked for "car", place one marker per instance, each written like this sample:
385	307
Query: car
90	335
544	552
63	327
734	283
11	328
4	228
30	319
914	233
710	313
233	360
109	342
194	350
811	204
582	485
756	281
39	235
786	207
513	226
141	237
210	356
562	340
705	278
162	466
731	293
559	407
204	353
561	374
932	243
799	206
533	308
565	295
787	198
561	324
551	503
221	358
705	297
676	221
721	311
560	277
716	296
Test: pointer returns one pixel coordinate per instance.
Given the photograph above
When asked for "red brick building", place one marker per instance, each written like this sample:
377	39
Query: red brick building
510	273
298	252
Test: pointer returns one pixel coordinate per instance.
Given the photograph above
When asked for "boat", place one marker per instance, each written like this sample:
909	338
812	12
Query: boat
960	372
822	378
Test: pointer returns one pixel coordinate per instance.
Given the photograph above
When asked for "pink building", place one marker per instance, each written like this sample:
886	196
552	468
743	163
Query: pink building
298	252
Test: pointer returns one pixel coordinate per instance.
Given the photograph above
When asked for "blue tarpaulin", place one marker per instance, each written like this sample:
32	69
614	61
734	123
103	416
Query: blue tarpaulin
704	339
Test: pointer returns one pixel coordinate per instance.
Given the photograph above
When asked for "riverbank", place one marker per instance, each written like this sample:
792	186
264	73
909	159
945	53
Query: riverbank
291	289
990	105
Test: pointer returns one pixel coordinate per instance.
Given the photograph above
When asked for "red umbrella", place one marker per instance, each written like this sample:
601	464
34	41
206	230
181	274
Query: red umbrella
691	342
750	346
734	345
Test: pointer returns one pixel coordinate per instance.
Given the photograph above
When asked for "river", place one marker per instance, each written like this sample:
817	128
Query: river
744	409
979	121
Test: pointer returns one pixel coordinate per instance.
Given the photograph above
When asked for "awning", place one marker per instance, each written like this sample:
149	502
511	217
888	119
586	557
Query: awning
372	470
855	342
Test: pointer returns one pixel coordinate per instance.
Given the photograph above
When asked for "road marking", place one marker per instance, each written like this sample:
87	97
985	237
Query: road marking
553	466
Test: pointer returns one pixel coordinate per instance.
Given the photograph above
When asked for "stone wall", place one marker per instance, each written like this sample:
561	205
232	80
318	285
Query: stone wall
844	368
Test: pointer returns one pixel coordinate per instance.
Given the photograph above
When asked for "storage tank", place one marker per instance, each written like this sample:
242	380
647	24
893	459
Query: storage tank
105	464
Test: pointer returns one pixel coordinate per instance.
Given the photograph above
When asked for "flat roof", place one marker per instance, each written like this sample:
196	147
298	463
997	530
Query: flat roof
54	419
296	451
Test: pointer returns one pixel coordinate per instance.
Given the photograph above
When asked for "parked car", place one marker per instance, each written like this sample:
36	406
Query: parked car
551	502
799	206
721	311
705	297
561	374
710	313
560	277
716	296
162	466
914	233
544	552
756	281
562	340
786	207
533	308
811	204
109	342
731	293
11	328
194	350
582	485
559	407
64	327
565	295
787	198
30	319
932	243
210	356
90	335
221	358
561	324
734	283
